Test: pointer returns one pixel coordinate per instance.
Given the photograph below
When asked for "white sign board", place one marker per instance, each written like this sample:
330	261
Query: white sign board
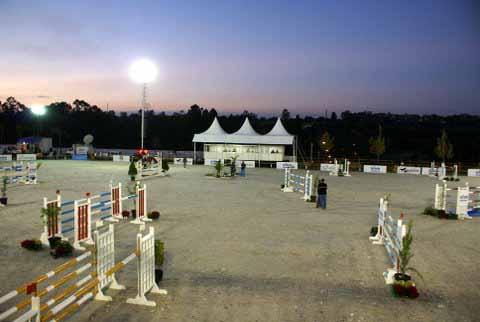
426	171
463	198
121	158
409	170
5	157
375	168
248	164
474	172
287	165
180	161
82	150
329	167
212	162
26	157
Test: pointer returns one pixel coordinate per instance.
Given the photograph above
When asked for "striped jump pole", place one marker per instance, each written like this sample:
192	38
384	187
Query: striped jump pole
141	206
82	223
43	278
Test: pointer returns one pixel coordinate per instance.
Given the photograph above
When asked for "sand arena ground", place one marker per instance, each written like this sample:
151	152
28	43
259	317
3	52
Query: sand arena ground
241	250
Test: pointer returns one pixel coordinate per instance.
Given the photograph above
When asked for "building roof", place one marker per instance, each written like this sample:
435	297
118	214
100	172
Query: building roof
278	135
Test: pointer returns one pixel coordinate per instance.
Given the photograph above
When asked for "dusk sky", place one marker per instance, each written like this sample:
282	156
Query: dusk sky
419	56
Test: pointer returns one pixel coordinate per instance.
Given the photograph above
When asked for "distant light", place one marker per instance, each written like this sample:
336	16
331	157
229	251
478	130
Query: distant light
38	110
143	71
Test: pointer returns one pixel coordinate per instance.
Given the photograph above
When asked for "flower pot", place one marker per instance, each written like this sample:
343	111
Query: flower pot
63	249
54	241
158	275
374	231
153	215
282	186
125	214
402	277
313	198
3	200
31	244
133	212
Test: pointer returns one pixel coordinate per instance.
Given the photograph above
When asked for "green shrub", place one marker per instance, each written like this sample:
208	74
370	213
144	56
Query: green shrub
159	252
430	211
165	166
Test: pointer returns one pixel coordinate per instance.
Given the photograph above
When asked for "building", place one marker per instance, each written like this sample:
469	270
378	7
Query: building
245	144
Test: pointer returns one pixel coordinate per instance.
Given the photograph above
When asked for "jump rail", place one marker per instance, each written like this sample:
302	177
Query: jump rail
390	233
76	282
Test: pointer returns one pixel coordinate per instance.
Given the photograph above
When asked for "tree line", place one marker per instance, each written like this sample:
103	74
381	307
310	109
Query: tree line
352	135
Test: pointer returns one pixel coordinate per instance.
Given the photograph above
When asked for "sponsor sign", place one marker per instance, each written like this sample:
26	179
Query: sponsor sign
287	165
26	157
409	170
121	158
474	172
429	171
329	167
212	162
82	150
5	157
180	161
463	197
248	164
375	168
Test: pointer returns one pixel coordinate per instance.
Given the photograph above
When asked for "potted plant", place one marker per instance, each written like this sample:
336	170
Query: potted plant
159	258
153	215
132	171
125	214
49	215
63	249
218	168
165	166
31	244
403	286
4	198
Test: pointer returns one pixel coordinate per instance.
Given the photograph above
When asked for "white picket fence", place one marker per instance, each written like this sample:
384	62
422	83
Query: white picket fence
297	183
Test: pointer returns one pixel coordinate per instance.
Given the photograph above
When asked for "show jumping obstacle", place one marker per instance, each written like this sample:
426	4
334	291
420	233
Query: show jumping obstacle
466	200
341	169
147	169
77	216
447	171
390	233
20	172
76	281
297	183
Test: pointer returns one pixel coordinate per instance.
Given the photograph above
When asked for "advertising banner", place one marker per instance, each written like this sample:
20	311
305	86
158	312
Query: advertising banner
375	168
26	157
409	170
287	165
474	172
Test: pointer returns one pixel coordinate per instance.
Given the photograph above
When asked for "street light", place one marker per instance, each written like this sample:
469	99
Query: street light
143	71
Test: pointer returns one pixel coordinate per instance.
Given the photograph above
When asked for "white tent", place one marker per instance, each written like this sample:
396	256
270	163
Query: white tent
245	142
245	135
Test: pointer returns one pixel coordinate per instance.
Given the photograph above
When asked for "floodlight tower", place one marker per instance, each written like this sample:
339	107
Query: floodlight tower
143	71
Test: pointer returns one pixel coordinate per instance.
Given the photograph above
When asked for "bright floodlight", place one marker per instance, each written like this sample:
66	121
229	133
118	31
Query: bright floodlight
143	71
38	110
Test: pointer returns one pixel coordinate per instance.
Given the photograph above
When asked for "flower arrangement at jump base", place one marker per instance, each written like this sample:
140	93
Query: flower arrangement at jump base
59	247
439	213
403	286
159	259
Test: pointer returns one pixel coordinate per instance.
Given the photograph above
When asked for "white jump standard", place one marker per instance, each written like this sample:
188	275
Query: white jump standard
297	183
466	200
390	233
77	282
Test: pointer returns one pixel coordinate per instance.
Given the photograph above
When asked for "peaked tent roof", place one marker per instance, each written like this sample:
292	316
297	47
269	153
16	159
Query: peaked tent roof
278	129
245	135
215	133
246	129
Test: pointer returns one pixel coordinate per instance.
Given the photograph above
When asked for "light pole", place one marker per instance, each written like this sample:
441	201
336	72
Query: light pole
143	71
